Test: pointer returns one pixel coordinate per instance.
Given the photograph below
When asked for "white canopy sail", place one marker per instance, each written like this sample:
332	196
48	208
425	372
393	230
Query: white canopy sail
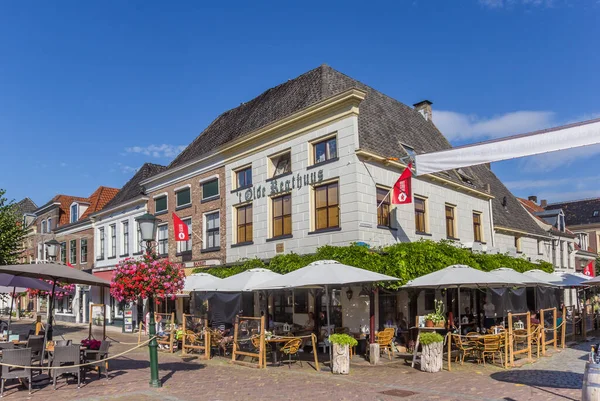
549	140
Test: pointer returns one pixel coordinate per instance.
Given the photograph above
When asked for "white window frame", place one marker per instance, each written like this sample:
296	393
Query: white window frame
113	241
72	260
125	238
186	244
43	229
76	214
205	230
181	189
235	176
206	181
273	160
49	224
158	239
81	261
102	242
155	197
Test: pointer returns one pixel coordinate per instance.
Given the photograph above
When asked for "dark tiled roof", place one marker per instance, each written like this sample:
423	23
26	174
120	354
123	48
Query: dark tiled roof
132	188
513	215
384	125
579	212
26	205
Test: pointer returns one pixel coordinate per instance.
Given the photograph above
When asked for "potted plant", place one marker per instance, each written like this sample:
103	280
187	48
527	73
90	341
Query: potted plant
341	352
436	318
433	351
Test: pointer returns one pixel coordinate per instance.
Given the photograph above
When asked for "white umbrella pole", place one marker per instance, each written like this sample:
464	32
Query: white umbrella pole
10	314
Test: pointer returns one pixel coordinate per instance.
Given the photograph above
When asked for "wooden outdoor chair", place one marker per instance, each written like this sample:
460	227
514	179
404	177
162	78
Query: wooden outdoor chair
536	337
291	348
463	348
169	341
490	346
384	339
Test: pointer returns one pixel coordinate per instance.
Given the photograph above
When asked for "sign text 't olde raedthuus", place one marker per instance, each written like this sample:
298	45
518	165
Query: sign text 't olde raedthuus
280	186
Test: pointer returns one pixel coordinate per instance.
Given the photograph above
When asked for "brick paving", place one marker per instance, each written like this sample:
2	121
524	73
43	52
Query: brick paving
557	377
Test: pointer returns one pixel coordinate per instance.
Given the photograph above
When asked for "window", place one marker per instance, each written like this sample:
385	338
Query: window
410	151
282	164
244	224
125	230
113	241
43	226
450	222
83	254
243	177
63	253
101	244
477	237
183	197
540	245
139	239
163	239
325	150
185	246
49	227
212	237
210	189
73	251
160	204
74	213
383	207
595	213
518	244
420	215
282	215
327	211
300	301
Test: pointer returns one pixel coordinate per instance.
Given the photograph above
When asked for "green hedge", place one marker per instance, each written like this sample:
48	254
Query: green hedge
406	260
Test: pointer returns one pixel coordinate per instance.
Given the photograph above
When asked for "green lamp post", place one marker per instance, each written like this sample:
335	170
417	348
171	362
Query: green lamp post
147	224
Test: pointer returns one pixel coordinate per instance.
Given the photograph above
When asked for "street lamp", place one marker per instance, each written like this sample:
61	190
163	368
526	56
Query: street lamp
53	246
147	224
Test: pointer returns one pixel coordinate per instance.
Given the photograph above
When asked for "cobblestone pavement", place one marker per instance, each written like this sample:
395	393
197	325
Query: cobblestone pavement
557	377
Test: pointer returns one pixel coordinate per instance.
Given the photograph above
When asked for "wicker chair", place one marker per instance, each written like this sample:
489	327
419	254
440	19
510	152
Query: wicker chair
291	348
384	339
491	346
21	357
36	343
99	355
65	357
8	345
62	343
463	348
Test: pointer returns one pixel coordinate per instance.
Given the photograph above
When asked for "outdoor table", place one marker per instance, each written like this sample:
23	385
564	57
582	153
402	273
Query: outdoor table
419	331
276	341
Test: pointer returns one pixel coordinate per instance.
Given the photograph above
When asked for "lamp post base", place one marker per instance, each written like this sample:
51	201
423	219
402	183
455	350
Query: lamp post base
155	383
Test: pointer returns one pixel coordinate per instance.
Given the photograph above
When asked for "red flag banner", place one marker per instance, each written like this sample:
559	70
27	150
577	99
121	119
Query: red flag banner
589	269
180	228
401	193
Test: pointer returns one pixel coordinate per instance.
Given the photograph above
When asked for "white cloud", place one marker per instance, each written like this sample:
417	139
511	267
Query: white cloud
561	196
458	126
511	3
159	151
125	169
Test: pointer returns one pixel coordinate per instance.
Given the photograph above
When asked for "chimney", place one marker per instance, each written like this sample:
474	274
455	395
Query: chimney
424	107
543	203
488	189
533	198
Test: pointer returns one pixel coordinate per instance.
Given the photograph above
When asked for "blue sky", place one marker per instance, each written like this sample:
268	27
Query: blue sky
89	91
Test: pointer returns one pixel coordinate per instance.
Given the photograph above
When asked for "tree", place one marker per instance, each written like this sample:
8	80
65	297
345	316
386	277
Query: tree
12	231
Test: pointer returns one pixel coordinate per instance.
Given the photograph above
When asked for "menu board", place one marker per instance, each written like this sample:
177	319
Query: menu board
128	319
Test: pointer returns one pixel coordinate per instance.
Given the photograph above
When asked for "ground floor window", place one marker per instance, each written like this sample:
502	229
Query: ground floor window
65	305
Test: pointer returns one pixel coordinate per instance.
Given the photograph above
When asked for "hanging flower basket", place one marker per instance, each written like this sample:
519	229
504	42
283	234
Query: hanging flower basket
146	277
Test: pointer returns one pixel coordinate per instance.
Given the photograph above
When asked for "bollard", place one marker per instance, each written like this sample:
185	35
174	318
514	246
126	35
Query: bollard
374	353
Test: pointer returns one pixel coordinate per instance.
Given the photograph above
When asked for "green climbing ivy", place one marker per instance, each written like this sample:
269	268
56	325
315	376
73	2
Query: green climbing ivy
406	260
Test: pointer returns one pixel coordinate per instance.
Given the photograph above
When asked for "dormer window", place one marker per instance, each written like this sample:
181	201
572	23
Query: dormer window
74	212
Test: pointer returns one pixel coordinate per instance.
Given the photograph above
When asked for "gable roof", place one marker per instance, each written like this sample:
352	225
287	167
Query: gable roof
132	188
543	215
26	205
98	200
384	126
580	212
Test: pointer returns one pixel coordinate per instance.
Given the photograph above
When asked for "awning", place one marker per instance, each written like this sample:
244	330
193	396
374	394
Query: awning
106	275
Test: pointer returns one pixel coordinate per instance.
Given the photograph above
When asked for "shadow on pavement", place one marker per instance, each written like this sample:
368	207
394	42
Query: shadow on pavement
541	378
